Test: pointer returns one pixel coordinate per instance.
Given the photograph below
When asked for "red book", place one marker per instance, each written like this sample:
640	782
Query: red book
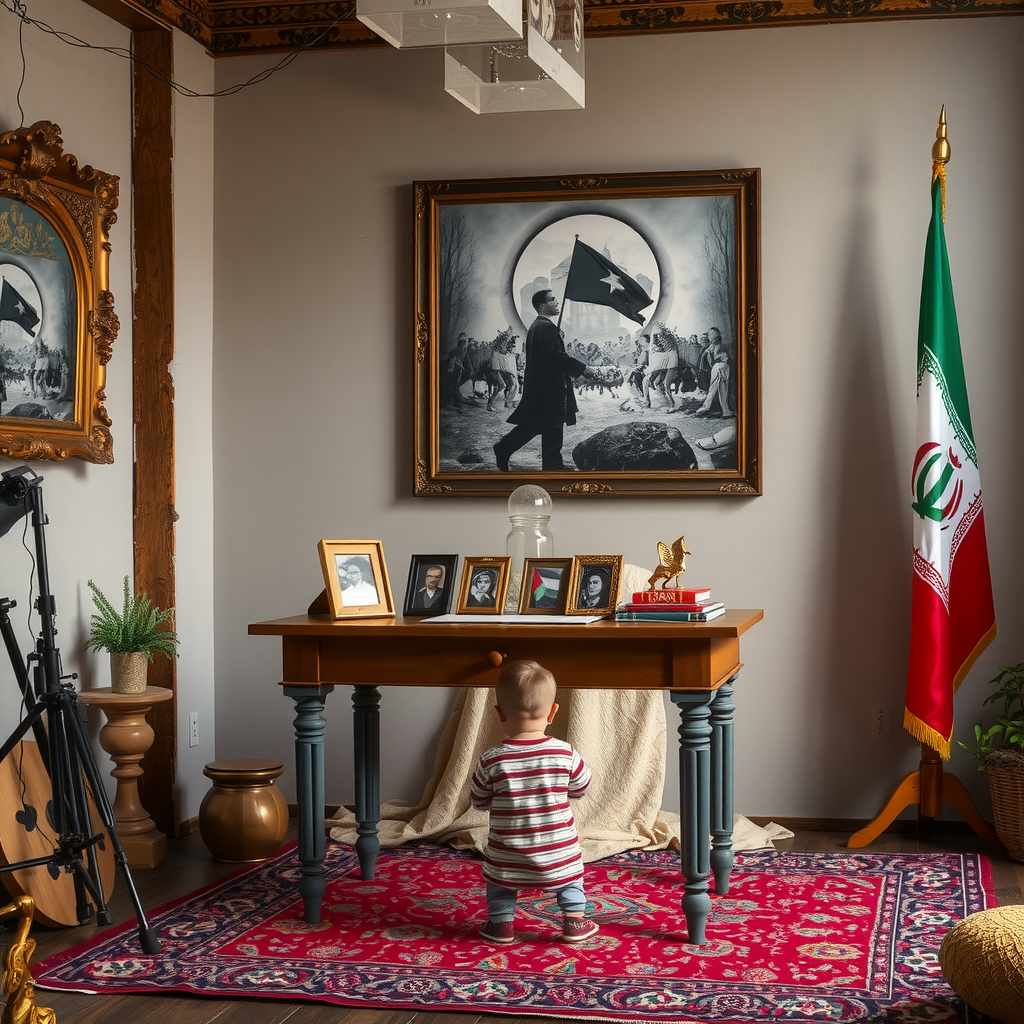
673	596
676	606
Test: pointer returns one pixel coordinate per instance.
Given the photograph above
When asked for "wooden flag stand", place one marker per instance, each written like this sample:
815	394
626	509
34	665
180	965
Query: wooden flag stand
929	787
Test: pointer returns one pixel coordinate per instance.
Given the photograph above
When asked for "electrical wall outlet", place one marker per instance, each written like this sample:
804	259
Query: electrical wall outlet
193	728
879	721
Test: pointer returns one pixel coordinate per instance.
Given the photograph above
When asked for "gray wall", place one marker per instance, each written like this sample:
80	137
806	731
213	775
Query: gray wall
313	361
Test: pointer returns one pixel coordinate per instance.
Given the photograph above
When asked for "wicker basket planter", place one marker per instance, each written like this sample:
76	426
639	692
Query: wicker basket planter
1006	784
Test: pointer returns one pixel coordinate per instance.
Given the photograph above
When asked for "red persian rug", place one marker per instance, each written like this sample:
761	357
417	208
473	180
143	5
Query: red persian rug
835	937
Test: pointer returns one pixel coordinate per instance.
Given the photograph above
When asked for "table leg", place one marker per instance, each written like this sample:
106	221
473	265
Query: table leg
695	800
309	785
366	744
722	708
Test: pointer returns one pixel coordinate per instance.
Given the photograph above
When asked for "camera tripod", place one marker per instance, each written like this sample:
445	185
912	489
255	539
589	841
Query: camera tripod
63	744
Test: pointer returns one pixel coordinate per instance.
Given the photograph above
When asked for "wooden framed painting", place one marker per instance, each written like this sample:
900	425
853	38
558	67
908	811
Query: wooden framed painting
57	320
484	585
430	587
356	578
594	584
545	586
597	334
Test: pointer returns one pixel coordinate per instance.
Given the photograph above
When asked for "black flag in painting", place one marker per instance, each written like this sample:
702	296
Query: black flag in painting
14	307
594	278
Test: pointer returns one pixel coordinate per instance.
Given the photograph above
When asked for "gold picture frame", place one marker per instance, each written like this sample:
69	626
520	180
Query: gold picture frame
554	595
585	570
474	599
356	577
665	394
57	320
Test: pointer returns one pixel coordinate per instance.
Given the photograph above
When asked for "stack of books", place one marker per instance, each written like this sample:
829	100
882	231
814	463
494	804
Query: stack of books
673	605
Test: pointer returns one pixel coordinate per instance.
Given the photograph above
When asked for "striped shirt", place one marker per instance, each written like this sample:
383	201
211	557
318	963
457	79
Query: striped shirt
527	786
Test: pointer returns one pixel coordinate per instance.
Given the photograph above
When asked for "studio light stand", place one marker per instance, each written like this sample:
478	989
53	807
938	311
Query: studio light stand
63	744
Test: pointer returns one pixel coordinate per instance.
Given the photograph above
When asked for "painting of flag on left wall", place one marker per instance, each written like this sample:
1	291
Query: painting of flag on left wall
57	321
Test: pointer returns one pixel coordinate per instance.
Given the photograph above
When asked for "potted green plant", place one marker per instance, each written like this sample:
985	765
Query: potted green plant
1000	751
131	636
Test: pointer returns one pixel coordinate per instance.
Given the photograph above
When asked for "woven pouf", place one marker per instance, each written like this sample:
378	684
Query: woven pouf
982	959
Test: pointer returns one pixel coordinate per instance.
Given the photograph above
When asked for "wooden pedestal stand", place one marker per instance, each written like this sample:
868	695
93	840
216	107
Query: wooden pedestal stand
929	787
126	737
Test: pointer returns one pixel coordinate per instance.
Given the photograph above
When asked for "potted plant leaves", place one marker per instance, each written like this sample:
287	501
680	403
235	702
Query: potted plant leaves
131	636
1000	751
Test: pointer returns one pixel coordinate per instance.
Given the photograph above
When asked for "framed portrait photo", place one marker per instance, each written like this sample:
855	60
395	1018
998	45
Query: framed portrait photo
594	585
484	586
356	578
57	320
631	301
430	587
545	586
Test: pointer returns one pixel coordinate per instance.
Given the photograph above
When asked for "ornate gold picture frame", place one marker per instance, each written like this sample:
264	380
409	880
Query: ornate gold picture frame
654	387
545	586
484	587
57	320
594	584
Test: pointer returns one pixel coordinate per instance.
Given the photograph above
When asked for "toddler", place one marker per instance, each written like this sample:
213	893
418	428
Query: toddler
526	783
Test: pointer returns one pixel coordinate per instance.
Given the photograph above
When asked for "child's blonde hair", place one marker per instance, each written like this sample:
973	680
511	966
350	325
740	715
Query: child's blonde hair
525	689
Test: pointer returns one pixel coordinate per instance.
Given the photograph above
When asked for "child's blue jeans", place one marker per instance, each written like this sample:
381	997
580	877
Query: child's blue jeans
501	901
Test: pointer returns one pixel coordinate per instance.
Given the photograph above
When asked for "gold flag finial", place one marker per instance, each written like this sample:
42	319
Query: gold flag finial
941	151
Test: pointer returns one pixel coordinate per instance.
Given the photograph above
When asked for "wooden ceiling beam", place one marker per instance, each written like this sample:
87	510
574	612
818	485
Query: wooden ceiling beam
229	27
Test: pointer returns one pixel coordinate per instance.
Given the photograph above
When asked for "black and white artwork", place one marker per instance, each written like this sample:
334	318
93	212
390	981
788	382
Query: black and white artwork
632	308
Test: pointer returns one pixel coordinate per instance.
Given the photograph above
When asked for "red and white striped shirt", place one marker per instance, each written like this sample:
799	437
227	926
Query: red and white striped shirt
527	786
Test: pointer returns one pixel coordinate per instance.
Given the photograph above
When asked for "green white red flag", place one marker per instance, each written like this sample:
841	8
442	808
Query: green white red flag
952	617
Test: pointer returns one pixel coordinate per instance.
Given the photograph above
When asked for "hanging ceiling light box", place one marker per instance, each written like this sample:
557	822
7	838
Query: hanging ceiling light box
542	72
417	23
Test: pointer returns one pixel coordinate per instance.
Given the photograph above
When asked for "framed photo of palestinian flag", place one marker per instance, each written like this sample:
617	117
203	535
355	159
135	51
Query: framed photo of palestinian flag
545	586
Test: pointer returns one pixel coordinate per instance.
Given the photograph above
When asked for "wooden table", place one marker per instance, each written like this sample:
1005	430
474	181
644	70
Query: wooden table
126	737
696	662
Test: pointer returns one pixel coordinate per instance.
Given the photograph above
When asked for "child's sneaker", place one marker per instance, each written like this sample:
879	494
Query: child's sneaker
577	929
501	932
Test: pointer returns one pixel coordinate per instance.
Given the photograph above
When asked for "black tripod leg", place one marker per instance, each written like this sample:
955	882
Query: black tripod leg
81	801
147	936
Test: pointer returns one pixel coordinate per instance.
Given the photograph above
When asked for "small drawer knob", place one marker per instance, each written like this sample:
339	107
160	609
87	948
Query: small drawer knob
496	658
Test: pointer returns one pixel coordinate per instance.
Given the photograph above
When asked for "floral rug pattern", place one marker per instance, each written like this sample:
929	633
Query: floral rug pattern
841	937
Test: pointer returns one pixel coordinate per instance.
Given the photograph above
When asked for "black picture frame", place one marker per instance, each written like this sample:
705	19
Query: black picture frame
419	566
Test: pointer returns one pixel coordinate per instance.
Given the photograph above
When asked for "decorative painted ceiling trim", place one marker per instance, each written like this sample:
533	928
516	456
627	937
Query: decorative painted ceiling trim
227	27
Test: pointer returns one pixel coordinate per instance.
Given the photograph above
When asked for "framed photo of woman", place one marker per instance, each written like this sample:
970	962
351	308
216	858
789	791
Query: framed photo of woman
594	586
484	586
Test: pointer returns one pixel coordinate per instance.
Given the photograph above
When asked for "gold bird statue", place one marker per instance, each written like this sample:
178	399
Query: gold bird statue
673	562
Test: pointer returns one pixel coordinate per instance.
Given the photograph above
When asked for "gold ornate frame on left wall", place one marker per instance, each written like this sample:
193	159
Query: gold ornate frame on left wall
57	320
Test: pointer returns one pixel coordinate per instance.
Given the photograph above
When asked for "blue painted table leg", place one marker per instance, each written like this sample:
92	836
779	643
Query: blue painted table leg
366	744
309	785
722	708
695	800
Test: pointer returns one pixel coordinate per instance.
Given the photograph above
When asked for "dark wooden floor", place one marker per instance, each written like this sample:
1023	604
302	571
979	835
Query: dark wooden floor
189	866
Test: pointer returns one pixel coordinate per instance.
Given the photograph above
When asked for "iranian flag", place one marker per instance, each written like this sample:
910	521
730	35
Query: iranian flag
952	618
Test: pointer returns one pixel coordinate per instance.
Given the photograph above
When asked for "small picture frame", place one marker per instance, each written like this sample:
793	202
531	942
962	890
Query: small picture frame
484	586
594	586
356	578
545	586
430	586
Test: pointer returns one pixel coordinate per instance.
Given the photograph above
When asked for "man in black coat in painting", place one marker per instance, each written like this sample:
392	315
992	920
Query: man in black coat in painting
548	401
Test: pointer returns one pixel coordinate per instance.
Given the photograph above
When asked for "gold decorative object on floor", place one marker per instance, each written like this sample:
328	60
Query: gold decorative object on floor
673	562
18	982
244	817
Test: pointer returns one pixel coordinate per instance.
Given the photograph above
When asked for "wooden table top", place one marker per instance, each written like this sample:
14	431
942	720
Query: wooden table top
734	623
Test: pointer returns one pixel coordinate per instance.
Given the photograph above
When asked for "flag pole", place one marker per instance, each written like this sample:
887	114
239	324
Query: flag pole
561	307
930	786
